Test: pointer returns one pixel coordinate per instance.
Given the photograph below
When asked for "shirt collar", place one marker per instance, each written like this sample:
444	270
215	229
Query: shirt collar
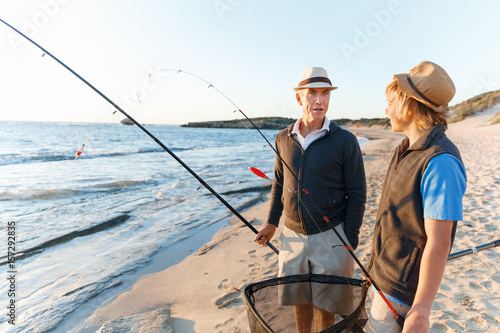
326	126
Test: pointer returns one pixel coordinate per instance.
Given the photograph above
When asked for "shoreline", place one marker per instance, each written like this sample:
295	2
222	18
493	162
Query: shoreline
204	265
164	258
203	293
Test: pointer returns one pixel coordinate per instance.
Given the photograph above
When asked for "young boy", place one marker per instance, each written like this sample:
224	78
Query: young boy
421	201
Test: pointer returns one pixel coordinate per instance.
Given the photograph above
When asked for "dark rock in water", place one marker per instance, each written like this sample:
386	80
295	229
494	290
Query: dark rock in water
126	121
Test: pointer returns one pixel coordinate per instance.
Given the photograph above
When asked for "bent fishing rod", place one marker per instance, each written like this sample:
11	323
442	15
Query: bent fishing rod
205	184
399	318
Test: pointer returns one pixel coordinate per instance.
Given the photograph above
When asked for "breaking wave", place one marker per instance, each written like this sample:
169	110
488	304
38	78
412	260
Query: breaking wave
9	159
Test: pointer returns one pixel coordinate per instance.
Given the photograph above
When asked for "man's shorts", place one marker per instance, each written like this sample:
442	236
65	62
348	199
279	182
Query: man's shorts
313	254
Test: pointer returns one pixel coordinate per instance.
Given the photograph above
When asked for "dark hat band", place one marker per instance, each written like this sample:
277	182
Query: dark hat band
314	80
420	93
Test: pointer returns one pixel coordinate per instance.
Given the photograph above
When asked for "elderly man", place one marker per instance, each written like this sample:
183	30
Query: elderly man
317	156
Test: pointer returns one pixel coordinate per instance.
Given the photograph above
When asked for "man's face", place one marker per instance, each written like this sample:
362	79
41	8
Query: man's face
314	102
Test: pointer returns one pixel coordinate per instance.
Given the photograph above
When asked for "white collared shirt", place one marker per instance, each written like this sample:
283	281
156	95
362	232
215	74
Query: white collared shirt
311	137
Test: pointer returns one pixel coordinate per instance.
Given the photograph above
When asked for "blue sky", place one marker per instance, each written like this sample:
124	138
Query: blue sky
253	51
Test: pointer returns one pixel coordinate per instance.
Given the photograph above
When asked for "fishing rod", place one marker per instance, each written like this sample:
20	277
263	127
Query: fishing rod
208	187
399	318
474	250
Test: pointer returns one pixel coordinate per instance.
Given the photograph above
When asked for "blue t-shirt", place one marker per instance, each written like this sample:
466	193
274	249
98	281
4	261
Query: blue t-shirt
442	188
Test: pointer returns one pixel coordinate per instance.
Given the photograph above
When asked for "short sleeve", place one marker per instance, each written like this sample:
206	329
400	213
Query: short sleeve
442	188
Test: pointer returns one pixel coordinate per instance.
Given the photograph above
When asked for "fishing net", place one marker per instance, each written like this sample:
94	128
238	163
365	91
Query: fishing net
266	314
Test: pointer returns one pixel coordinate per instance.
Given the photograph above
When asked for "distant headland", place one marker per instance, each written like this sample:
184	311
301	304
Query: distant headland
281	122
459	112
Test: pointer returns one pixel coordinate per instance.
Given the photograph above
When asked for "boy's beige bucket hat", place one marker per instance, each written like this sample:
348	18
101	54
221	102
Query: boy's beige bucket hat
429	84
314	77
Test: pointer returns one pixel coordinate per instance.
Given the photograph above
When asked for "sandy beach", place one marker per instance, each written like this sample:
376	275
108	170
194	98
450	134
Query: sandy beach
204	293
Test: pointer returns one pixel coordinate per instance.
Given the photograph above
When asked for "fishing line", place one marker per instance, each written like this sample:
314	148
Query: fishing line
399	319
208	187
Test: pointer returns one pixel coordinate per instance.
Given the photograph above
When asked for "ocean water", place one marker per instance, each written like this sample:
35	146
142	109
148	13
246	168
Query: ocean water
86	228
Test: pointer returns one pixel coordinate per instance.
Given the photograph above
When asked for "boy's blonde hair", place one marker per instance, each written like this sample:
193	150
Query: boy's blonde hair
408	107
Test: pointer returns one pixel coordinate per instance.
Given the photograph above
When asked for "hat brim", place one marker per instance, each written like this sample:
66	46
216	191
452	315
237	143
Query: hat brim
315	85
407	89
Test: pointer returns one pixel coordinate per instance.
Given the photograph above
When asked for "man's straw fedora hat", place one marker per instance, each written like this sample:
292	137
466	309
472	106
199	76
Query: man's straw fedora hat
429	84
314	77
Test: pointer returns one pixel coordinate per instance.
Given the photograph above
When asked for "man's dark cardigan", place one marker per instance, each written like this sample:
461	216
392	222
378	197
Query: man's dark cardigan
331	170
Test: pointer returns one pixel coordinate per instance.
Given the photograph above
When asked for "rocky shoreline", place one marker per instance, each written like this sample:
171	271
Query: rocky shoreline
280	123
261	123
459	112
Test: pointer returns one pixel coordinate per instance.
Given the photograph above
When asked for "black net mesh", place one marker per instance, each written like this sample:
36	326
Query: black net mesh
267	314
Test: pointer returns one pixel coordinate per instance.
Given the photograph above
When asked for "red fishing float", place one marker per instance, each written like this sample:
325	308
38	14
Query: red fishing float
79	152
259	173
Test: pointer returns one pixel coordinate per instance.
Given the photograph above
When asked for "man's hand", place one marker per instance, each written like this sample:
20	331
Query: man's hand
265	234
